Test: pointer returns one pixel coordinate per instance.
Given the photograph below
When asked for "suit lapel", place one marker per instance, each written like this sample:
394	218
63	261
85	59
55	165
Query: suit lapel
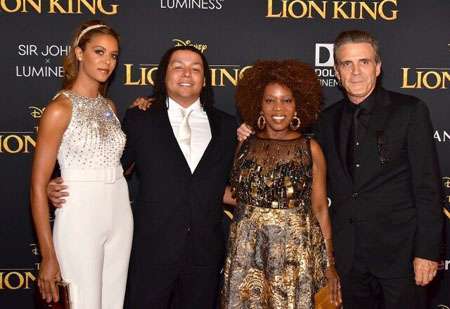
215	135
167	138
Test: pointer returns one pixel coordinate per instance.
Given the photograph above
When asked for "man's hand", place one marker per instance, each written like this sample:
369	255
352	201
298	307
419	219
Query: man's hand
143	103
56	191
425	270
244	132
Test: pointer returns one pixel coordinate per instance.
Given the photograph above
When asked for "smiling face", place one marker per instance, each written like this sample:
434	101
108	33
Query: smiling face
357	70
278	107
99	58
185	77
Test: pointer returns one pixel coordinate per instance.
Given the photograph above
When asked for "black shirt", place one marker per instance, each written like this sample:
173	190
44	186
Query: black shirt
363	115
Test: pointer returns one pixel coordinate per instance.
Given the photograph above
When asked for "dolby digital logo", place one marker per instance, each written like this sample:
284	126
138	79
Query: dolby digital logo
385	10
64	7
324	64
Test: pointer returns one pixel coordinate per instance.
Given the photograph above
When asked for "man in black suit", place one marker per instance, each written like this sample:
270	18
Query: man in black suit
182	150
383	180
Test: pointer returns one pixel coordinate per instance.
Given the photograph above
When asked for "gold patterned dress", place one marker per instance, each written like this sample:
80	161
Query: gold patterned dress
276	252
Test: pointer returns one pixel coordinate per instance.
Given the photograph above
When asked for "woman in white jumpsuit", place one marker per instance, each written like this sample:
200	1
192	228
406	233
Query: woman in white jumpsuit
92	234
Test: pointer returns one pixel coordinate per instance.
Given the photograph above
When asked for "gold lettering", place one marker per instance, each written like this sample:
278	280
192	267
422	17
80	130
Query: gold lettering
213	77
201	47
368	10
225	75
8	9
128	75
425	79
405	79
16	144
15	280
241	73
321	11
437	79
149	79
146	76
87	5
304	9
381	11
82	7
55	4
113	11
270	9
338	11
35	4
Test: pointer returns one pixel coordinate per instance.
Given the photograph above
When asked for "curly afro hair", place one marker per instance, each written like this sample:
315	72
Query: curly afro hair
299	77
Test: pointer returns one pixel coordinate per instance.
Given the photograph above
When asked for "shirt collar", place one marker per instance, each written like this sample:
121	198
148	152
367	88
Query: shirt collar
196	106
367	105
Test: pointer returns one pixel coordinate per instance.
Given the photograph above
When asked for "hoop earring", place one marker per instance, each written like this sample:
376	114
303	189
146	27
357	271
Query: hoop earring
297	122
261	122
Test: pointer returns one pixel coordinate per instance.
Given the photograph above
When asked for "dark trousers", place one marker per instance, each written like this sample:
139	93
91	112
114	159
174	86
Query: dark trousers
182	286
362	289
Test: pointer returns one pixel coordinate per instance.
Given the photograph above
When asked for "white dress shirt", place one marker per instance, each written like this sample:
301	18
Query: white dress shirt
200	129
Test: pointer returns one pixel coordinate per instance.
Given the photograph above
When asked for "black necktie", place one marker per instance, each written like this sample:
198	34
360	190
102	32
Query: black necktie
353	140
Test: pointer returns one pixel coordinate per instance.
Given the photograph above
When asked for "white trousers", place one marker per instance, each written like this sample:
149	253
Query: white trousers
92	235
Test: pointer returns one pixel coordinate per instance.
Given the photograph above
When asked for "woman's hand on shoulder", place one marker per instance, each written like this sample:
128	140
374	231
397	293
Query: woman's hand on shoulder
143	103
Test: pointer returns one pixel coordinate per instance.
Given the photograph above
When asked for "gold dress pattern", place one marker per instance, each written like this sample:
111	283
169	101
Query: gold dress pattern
276	252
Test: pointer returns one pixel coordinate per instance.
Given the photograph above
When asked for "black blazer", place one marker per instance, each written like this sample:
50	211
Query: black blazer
394	200
175	210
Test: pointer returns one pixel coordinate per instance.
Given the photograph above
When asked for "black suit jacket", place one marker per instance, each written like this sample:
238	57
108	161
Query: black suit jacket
177	211
394	200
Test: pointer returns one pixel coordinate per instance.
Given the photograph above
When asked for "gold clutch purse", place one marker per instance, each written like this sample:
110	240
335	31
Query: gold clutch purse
322	299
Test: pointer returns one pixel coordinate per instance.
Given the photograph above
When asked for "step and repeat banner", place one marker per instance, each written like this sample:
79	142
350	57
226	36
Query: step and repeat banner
415	47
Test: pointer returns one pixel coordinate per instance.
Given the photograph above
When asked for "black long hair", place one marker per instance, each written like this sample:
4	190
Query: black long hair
159	89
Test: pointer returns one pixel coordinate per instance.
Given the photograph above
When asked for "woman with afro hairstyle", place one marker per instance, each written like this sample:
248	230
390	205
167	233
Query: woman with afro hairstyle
279	250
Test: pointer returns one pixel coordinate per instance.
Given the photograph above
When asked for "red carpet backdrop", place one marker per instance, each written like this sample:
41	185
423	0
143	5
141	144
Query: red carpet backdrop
415	47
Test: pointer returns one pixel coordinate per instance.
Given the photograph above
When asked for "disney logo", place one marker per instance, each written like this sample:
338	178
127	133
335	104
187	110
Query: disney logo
201	47
446	181
36	112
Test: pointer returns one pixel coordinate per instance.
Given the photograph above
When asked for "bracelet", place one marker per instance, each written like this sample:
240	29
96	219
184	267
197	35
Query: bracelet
330	261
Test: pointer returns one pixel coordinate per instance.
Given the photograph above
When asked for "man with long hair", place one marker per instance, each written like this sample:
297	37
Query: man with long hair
183	149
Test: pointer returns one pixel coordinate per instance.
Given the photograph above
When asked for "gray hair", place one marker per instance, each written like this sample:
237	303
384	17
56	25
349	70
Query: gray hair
356	36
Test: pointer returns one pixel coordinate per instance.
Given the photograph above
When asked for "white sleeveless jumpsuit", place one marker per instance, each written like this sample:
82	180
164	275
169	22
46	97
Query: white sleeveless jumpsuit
93	231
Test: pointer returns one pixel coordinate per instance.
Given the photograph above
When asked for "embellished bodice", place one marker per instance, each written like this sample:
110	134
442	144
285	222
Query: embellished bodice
93	138
273	173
